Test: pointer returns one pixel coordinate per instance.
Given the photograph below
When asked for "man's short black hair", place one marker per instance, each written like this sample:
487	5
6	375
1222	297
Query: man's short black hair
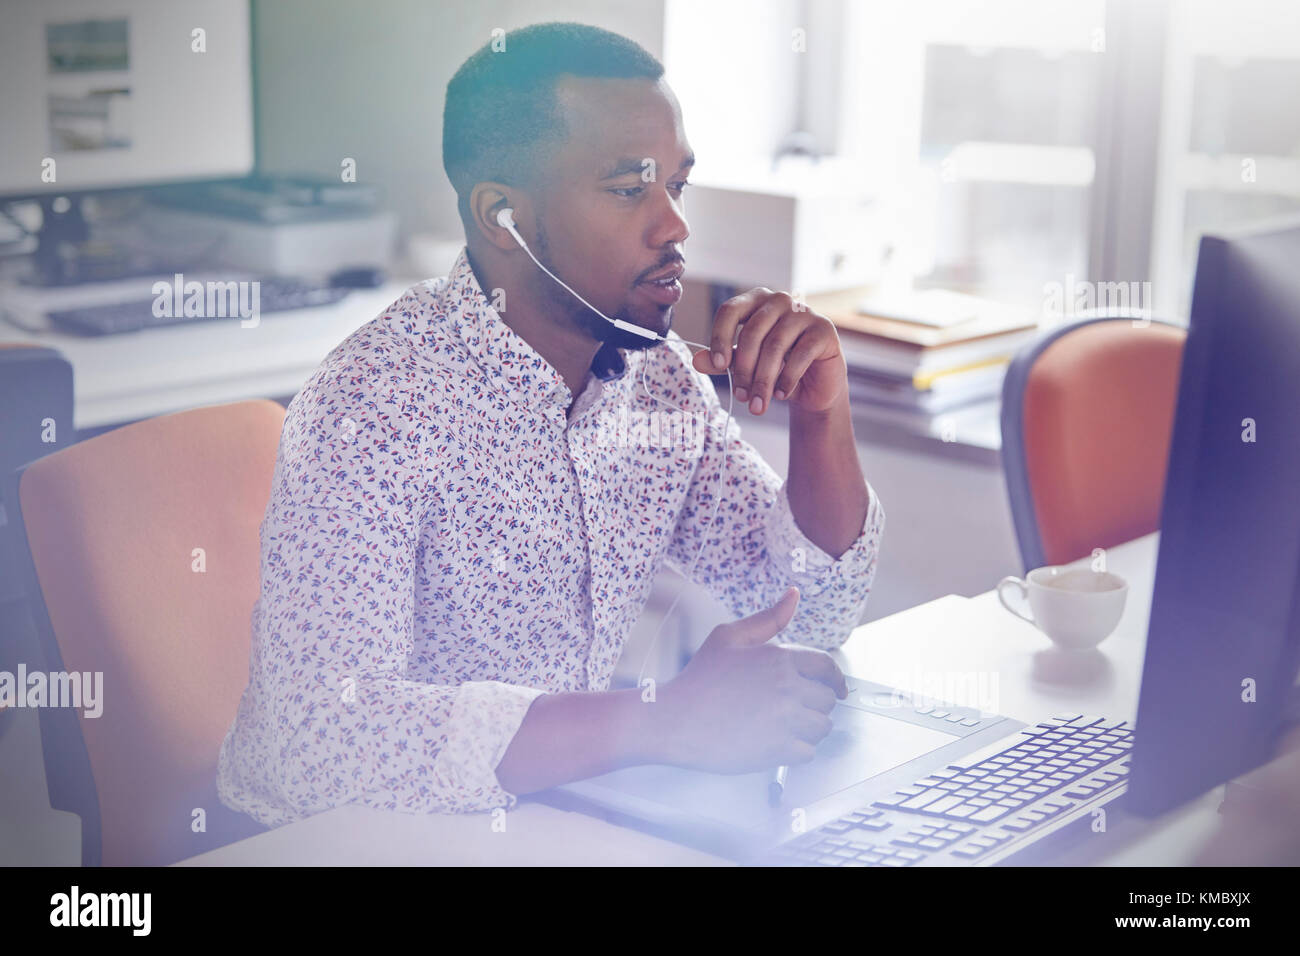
501	112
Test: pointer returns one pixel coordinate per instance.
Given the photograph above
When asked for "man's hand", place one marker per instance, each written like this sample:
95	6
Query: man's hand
784	352
743	705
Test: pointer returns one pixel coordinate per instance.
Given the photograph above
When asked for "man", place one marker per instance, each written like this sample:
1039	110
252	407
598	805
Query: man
456	548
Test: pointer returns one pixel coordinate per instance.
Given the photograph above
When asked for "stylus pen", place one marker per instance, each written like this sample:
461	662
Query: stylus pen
777	786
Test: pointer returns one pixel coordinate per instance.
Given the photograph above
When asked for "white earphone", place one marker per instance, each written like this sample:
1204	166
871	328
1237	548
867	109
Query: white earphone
506	220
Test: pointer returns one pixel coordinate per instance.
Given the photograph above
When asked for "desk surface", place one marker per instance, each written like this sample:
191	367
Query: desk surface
952	638
973	639
122	378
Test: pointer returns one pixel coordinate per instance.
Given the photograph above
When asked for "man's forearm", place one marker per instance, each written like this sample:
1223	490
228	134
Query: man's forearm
573	736
827	490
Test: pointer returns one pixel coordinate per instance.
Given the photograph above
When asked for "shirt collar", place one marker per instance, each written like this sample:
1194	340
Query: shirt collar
509	362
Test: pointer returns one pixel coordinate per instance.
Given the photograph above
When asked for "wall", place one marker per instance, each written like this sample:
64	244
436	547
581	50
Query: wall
738	80
336	79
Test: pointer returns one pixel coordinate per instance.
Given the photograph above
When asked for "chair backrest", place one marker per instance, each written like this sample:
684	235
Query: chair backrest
1087	417
144	566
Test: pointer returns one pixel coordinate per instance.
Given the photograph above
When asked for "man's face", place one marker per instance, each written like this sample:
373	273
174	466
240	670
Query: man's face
614	215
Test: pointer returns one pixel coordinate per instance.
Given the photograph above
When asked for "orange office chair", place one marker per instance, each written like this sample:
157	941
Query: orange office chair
1087	417
118	584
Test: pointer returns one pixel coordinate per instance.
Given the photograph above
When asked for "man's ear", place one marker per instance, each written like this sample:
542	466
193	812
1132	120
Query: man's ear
488	199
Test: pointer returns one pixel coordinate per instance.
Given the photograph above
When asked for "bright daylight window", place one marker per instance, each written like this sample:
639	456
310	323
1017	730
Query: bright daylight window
1016	143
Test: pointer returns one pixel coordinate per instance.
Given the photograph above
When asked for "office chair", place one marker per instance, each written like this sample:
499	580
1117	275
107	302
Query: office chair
111	529
1087	417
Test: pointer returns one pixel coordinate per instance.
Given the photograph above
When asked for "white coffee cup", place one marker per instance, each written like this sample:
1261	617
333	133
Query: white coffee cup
1076	607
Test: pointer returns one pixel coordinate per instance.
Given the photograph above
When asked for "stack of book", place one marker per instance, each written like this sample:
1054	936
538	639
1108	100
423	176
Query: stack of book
925	354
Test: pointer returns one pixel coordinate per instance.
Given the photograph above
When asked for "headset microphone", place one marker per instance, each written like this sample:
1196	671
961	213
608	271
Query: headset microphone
506	219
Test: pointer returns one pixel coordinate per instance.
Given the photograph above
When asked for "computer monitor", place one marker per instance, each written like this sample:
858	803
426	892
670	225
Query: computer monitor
1223	644
110	95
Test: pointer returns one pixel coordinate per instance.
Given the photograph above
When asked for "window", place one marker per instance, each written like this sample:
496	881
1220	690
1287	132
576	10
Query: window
987	112
1230	130
1013	144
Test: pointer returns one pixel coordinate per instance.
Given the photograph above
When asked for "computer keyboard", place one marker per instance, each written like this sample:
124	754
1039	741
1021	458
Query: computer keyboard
978	804
276	294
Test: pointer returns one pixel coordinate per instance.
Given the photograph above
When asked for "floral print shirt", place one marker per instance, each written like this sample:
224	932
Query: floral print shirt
446	540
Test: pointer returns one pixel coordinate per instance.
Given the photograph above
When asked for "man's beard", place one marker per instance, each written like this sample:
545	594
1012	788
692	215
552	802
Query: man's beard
587	320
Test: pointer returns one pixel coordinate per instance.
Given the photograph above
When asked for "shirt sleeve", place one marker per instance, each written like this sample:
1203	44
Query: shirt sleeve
755	549
330	715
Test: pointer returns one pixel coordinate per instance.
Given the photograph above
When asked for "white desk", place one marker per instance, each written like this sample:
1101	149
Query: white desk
952	635
533	835
122	378
956	636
